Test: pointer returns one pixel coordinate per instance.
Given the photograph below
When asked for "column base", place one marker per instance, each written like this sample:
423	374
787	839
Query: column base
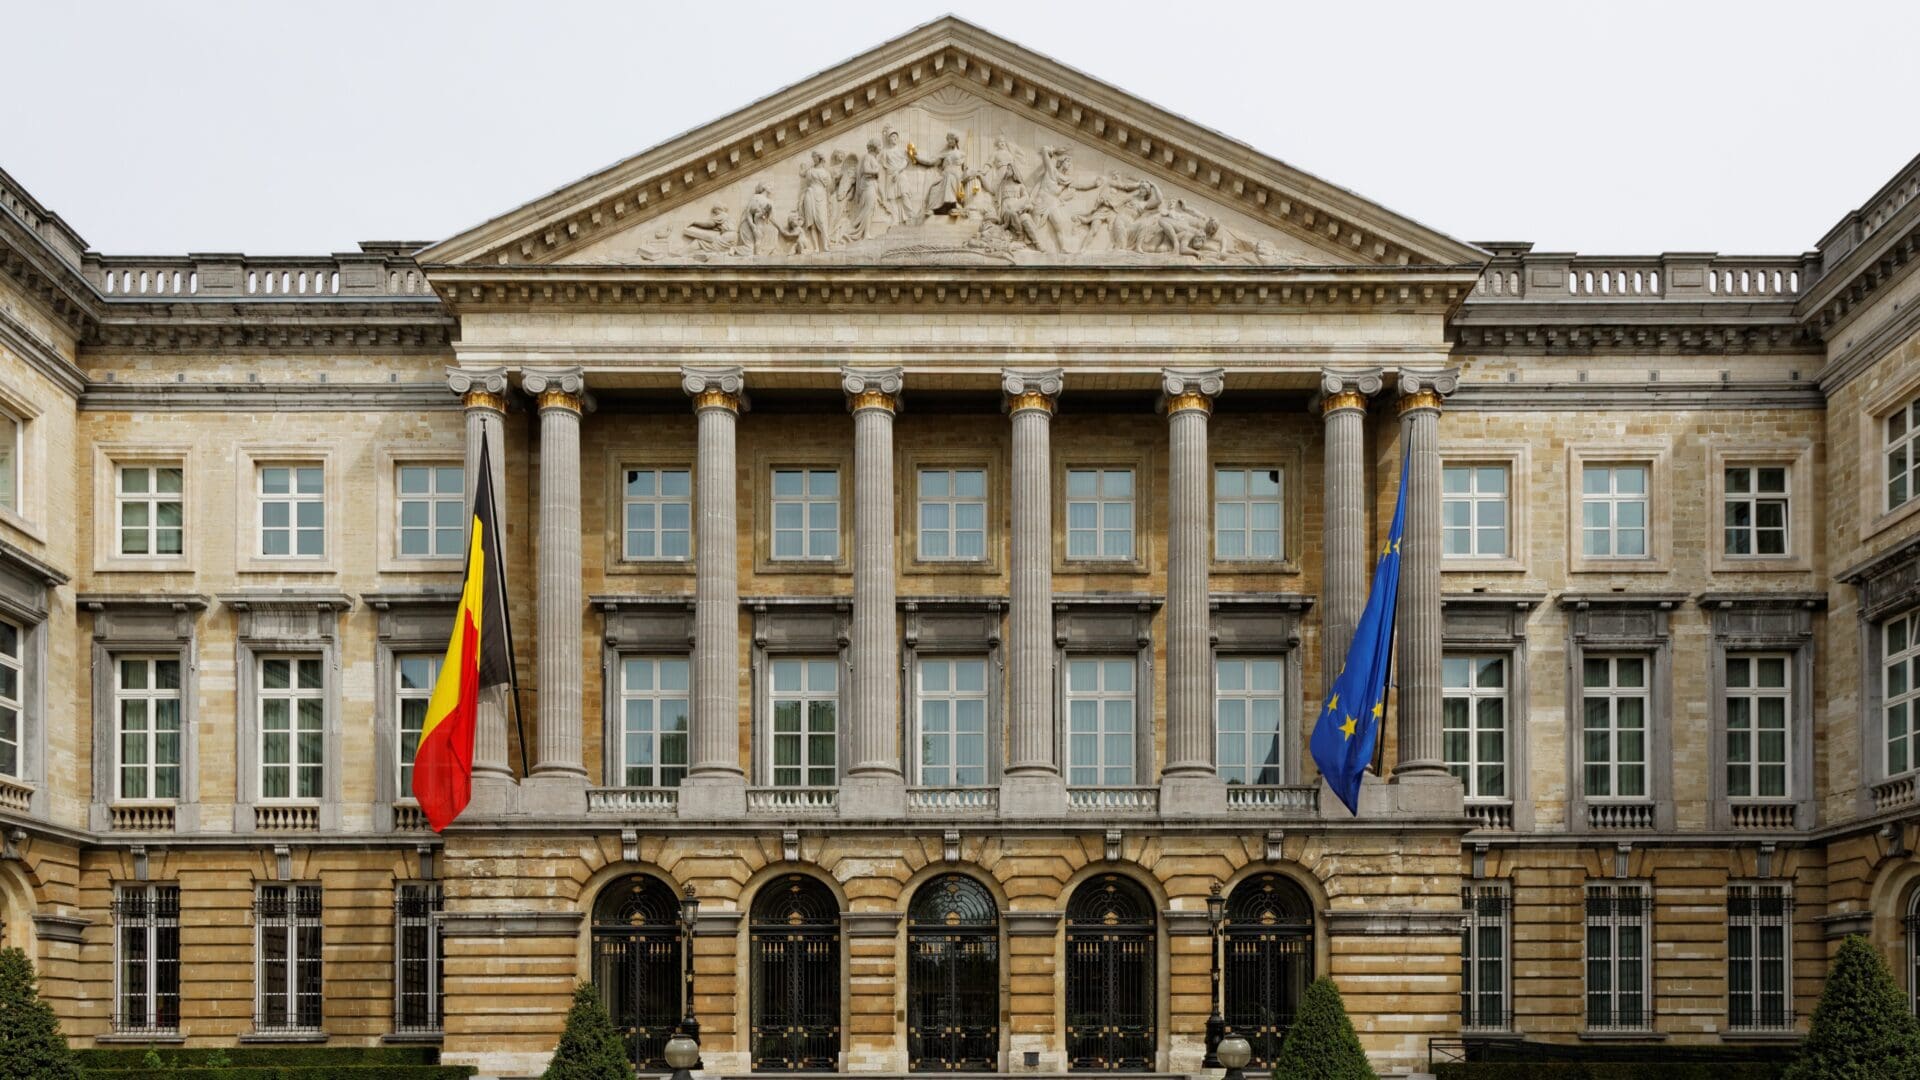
494	795
1429	791
1428	796
714	796
871	796
1033	795
1198	795
554	794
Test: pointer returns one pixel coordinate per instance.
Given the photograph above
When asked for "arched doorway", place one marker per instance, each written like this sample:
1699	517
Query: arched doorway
953	977
795	938
1269	961
1111	988
637	964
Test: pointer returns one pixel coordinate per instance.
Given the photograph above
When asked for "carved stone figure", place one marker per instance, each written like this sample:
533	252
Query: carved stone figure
893	168
948	193
757	233
816	191
716	235
866	192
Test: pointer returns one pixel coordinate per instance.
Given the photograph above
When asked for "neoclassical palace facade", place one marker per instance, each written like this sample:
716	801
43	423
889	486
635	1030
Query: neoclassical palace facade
936	498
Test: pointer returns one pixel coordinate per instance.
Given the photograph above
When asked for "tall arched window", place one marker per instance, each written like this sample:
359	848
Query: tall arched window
953	977
637	964
1269	961
1111	942
1913	950
795	938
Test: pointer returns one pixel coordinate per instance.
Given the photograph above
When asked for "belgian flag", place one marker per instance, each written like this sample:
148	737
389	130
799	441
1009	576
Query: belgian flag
478	655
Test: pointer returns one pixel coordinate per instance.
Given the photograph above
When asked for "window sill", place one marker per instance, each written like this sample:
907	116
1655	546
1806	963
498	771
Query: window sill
164	1038
1762	1035
1583	564
1461	564
1499	1034
667	567
972	567
1610	1035
25	527
1880	523
283	1037
407	1038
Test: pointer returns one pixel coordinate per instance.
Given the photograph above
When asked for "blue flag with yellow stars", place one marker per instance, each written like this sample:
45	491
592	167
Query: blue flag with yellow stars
1349	724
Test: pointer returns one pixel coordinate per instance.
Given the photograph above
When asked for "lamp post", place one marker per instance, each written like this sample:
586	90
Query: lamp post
1216	1024
1235	1052
689	1032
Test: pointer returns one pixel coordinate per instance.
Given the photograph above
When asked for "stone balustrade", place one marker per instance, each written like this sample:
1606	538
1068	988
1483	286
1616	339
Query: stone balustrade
953	800
1762	815
1278	799
142	817
277	817
1517	273
1895	793
633	800
408	817
793	801
1621	817
1494	816
15	795
1113	800
380	270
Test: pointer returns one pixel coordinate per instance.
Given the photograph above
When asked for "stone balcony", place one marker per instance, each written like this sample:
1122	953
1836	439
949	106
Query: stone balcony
377	270
1519	274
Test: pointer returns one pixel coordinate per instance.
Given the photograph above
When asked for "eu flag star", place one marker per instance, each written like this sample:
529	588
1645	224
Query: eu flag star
1348	727
1379	707
1333	703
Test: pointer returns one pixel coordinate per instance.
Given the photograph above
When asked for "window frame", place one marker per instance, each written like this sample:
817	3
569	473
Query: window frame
1284	528
434	498
1614	500
952	696
294	499
250	463
1874	514
1102	696
1754	694
1913	949
1617	891
1473	694
19	701
1908	700
806	696
1115	626
1907	442
142	907
15	475
1804	511
1614	693
152	500
1656	459
952	501
1754	498
302	908
1101	501
659	502
1754	922
396	686
807	501
1283	768
1475	499
1476	896
294	695
1613	624
432	900
273	623
656	696
150	694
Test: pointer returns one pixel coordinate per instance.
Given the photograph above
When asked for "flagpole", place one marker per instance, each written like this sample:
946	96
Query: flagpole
506	608
1393	639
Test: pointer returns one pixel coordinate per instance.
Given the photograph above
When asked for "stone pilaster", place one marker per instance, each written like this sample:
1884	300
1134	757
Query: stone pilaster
873	785
1189	782
1419	758
715	786
558	774
1033	785
483	393
1343	408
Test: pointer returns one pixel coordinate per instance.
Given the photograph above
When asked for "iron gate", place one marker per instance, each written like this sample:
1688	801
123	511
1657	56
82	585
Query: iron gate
637	965
1110	977
953	977
1269	962
796	976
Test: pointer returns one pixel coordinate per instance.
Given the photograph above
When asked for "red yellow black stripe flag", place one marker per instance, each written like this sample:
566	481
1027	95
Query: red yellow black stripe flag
478	656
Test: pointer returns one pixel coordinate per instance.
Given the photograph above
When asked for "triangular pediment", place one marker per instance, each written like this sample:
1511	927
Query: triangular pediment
951	146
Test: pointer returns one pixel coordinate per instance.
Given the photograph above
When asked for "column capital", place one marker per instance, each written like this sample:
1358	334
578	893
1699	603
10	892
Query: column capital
1425	389
1347	389
557	388
872	388
715	388
479	388
1032	388
1184	389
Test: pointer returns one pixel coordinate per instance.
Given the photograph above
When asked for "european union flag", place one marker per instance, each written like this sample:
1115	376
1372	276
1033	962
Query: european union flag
1349	724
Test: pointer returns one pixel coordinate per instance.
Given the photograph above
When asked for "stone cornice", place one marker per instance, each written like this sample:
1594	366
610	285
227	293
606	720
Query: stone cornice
13	555
1665	329
1855	357
40	273
39	355
1638	397
1425	289
268	397
277	325
949	52
1377	922
102	601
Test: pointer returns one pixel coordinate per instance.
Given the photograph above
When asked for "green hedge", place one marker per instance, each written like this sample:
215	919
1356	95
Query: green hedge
1609	1070
134	1057
289	1072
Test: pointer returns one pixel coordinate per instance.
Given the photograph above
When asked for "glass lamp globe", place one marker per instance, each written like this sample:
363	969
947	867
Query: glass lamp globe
682	1052
1234	1052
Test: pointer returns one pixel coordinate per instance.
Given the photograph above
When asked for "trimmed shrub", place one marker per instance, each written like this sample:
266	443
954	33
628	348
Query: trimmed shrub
1321	1044
287	1072
1607	1070
97	1059
1861	1029
589	1047
31	1046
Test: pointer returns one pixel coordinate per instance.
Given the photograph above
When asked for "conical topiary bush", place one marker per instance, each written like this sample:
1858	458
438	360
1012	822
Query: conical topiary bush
1321	1044
31	1046
1861	1029
589	1047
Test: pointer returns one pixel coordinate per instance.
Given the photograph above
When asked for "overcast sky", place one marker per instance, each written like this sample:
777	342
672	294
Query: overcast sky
297	128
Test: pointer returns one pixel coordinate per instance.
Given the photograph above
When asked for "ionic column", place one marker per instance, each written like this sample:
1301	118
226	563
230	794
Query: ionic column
1419	756
1343	407
874	783
483	393
1033	782
715	785
1189	405
562	397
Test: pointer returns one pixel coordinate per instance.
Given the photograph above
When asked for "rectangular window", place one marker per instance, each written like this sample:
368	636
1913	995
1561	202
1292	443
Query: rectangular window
1759	700
10	446
653	721
293	511
146	962
1473	715
1614	700
953	722
1473	511
806	514
1099	513
1613	511
1246	514
1618	918
12	695
292	730
1759	957
806	705
1484	934
286	921
1900	697
146	697
1247	701
1903	455
1756	510
1100	721
415	675
149	511
431	502
953	514
658	513
419	959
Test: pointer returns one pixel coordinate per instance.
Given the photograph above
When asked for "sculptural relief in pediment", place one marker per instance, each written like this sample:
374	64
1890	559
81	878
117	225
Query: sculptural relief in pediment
952	178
